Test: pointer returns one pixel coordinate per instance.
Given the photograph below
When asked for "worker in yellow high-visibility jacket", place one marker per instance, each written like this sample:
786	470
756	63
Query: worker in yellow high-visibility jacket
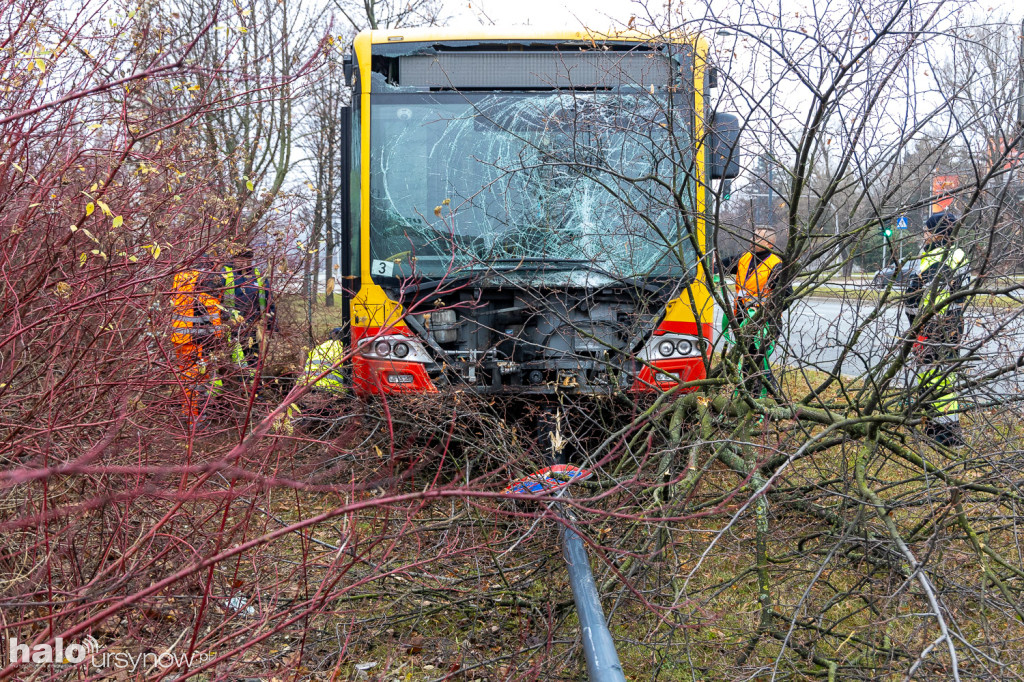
931	295
246	298
326	356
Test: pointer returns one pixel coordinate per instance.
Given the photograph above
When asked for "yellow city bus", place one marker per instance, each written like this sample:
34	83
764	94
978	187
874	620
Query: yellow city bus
527	211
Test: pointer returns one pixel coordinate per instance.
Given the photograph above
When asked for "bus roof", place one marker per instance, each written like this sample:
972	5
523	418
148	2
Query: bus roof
513	33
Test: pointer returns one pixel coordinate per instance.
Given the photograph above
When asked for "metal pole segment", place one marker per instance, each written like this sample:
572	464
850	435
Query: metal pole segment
598	647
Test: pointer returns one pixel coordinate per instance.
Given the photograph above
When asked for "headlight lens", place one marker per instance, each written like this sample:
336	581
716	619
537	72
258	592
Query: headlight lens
670	346
395	347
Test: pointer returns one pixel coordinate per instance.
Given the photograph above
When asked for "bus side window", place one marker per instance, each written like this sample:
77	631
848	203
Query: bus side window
355	182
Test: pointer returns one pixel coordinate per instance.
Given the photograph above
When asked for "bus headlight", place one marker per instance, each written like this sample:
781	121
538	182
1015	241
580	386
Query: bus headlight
395	347
669	347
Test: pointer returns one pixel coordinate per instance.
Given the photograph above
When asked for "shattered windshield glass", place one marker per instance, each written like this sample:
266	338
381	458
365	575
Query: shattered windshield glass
461	182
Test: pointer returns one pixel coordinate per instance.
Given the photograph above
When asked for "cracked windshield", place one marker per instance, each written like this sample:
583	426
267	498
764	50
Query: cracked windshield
573	180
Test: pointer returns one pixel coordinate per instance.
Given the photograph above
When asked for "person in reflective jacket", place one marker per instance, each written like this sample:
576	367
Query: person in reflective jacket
938	324
195	332
247	299
757	275
326	356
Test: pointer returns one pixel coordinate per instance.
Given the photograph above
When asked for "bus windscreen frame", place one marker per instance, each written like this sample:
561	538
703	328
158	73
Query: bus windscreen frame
516	177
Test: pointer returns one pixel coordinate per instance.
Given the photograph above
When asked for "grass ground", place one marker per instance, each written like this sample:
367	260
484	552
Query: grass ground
477	590
300	315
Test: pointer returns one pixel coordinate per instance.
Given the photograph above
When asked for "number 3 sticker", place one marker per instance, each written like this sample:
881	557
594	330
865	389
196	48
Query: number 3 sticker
384	268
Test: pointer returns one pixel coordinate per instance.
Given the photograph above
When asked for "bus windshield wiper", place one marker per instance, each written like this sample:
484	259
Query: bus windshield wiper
533	260
507	265
493	266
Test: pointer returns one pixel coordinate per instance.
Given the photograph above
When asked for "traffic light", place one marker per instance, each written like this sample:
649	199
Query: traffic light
726	189
887	231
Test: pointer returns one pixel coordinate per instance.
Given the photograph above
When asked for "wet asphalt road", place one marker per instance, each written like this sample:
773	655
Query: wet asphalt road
819	330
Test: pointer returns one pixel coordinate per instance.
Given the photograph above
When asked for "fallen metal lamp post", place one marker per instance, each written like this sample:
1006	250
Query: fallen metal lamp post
598	647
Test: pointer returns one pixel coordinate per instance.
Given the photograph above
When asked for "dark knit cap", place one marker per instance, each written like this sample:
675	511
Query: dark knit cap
941	224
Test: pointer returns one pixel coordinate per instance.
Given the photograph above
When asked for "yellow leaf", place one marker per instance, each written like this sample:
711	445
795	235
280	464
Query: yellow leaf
41	65
248	185
118	221
133	259
104	208
330	286
81	260
156	252
93	188
74	228
90	207
437	211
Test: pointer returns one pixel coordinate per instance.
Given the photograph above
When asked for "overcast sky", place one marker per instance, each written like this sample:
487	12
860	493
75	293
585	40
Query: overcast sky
555	13
599	14
893	116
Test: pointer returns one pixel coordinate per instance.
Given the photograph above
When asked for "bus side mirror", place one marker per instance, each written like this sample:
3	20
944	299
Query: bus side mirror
347	67
724	143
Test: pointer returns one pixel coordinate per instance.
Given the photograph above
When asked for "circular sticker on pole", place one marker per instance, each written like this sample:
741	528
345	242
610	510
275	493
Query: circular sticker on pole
548	479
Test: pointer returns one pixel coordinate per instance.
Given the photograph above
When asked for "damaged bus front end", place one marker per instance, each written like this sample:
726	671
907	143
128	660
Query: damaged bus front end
527	213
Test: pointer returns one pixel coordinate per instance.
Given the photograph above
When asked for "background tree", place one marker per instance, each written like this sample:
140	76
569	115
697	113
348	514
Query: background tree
325	144
252	69
380	14
809	532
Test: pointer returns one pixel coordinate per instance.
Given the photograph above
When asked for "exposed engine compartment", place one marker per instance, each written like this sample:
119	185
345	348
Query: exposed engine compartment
493	337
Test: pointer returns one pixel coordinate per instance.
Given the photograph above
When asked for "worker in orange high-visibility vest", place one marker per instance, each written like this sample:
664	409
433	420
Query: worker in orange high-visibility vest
195	330
757	273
